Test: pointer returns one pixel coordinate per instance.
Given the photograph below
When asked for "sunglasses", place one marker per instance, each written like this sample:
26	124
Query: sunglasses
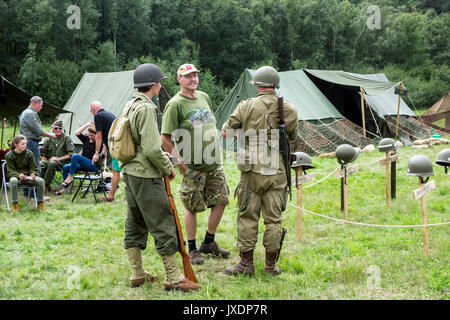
57	128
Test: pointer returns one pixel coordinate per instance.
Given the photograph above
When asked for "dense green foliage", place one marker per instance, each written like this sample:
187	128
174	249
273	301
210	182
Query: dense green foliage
41	54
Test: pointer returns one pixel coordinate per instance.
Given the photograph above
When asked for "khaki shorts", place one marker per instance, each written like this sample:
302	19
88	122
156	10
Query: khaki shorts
204	189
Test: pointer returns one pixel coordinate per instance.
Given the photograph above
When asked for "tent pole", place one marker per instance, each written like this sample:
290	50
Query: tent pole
3	129
398	110
15	126
70	126
362	111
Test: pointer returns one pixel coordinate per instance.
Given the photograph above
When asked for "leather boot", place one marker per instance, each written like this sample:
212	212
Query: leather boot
271	260
138	274
174	279
245	266
41	206
15	207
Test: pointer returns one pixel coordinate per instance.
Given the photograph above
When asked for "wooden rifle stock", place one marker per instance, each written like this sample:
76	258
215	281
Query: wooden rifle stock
188	271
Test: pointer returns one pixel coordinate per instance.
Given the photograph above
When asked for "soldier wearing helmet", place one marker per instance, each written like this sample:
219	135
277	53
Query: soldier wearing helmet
189	120
261	189
148	207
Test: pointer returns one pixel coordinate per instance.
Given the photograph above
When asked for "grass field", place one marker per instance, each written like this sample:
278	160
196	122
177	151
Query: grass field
75	250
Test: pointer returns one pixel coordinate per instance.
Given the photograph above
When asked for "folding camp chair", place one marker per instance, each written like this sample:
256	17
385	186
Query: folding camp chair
6	186
90	180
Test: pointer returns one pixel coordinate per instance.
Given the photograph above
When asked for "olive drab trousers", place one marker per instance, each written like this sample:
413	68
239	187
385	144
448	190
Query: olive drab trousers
149	211
260	195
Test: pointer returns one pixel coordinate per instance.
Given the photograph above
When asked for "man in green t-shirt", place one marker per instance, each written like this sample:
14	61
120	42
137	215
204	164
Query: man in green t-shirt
189	121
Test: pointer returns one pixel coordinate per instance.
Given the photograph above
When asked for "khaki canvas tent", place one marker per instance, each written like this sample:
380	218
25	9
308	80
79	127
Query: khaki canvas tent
112	89
439	111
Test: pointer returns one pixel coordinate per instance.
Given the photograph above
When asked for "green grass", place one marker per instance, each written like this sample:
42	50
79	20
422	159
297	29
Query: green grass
75	251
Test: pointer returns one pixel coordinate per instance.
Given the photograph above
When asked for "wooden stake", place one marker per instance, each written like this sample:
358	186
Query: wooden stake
362	111
424	222
299	205
388	196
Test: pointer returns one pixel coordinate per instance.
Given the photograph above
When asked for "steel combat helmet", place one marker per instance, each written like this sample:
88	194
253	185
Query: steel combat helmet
302	160
443	159
420	166
147	74
386	145
345	153
266	77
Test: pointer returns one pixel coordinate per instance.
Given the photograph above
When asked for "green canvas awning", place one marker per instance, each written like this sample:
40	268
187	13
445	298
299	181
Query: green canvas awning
13	100
370	86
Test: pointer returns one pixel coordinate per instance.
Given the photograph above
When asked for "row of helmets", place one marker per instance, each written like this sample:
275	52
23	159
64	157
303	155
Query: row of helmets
418	165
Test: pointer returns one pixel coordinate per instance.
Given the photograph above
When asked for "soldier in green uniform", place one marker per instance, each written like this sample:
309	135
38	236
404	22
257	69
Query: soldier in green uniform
262	187
148	205
189	120
56	152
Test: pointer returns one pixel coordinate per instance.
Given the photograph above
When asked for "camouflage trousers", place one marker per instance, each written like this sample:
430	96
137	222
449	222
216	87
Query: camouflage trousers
260	195
203	189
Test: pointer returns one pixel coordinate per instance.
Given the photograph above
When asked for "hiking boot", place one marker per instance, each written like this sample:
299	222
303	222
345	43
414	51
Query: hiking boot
245	266
183	285
271	260
15	207
41	206
196	257
139	282
214	249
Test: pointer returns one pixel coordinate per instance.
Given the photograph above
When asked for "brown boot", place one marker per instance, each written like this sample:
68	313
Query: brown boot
41	206
15	207
139	282
183	285
271	260
245	266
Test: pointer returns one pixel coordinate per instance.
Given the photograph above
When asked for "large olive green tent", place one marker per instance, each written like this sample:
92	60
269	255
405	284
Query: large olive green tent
112	89
329	106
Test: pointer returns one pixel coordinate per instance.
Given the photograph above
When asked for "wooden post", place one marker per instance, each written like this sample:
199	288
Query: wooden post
346	198
362	111
388	196
424	222
3	129
299	205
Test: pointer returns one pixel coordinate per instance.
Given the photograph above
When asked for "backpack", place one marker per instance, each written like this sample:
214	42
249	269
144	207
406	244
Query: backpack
120	139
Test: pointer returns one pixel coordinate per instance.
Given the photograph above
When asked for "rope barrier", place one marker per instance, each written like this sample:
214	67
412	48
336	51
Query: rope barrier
371	225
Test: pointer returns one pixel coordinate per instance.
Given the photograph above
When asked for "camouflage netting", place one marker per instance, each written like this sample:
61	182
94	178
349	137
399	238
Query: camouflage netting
319	138
410	128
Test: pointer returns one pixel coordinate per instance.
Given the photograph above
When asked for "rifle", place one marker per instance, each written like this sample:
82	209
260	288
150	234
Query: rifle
283	234
284	144
188	271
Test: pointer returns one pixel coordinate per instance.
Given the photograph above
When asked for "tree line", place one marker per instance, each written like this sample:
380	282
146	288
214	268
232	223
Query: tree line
406	39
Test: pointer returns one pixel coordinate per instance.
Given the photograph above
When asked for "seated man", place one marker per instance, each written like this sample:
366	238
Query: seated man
56	152
81	161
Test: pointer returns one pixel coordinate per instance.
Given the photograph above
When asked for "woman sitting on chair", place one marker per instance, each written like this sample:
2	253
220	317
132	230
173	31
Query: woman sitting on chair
21	168
81	162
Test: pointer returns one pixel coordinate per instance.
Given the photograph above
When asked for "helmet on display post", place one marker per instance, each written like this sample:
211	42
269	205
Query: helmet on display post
345	153
420	166
147	74
386	145
302	160
266	77
443	158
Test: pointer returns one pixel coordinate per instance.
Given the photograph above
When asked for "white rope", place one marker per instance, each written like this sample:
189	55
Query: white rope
371	225
324	178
